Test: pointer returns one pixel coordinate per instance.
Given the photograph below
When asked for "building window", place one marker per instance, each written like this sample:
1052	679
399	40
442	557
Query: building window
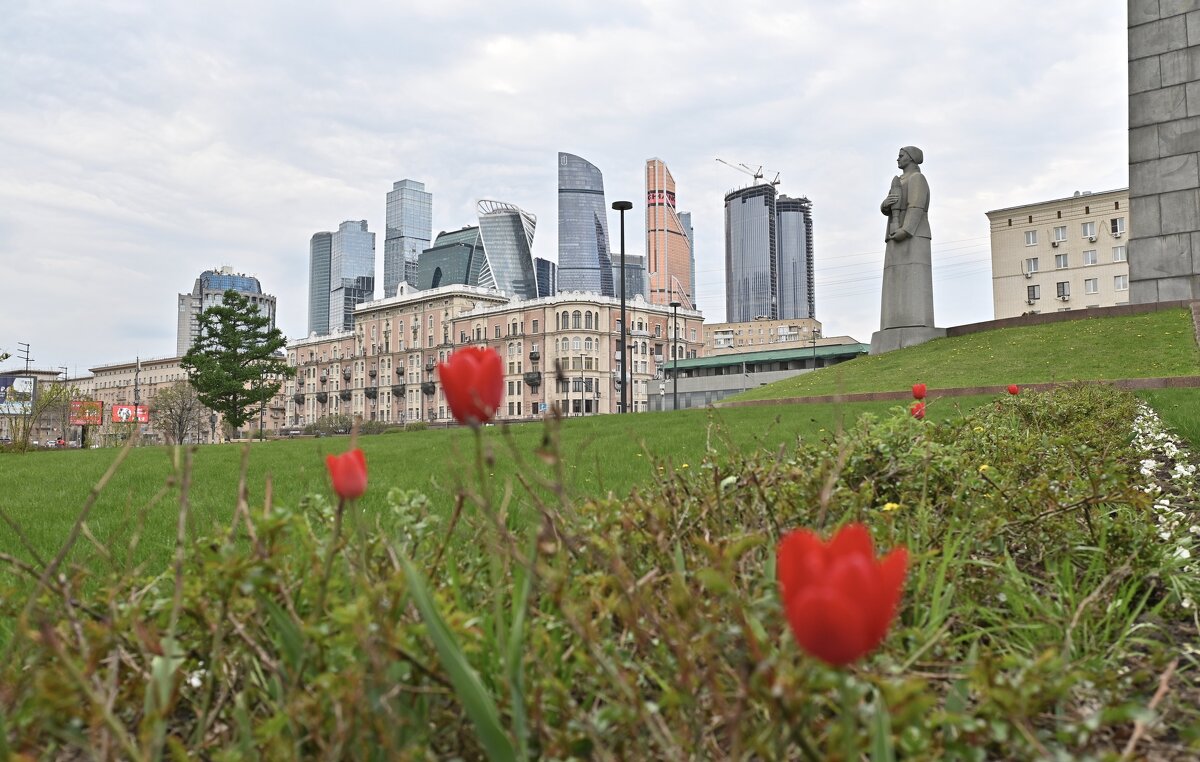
1088	230
1060	233
1091	285
587	320
576	319
1118	253
1031	265
535	326
1060	261
1121	282
497	331
1033	293
1031	238
1118	226
1089	257
1063	289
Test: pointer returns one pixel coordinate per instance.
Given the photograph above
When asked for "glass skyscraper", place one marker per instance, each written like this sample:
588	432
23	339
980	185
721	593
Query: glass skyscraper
685	219
318	283
455	258
751	254
796	293
583	258
768	256
409	228
668	249
635	276
547	276
351	272
507	232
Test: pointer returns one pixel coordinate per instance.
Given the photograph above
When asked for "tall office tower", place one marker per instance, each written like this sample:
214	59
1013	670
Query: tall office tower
409	229
635	276
318	283
751	254
456	258
351	272
668	253
547	276
794	226
507	232
209	291
685	219
583	261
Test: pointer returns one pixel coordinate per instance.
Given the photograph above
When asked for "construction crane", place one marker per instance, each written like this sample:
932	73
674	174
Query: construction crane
757	174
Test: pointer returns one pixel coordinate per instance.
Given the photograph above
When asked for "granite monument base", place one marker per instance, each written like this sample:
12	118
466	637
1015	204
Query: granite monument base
898	338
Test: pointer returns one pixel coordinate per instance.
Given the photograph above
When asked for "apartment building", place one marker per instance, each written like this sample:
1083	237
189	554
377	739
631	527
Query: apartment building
1059	255
562	349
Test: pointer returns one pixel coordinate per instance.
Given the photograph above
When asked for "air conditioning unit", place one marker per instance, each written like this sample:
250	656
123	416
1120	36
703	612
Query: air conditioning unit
1092	238
1055	244
1064	297
1118	234
1030	301
1028	274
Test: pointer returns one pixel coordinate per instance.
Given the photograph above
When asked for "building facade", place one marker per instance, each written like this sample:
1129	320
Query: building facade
563	349
584	263
1064	254
668	248
761	335
547	276
320	249
1164	151
351	272
635	276
408	232
507	232
685	219
209	291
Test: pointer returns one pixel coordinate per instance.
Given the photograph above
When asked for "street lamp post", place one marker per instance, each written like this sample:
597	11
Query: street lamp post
675	354
581	385
622	207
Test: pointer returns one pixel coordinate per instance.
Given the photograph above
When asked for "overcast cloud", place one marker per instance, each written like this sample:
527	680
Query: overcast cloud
141	143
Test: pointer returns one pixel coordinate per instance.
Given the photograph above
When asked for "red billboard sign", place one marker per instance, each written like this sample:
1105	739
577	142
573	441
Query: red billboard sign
87	413
130	413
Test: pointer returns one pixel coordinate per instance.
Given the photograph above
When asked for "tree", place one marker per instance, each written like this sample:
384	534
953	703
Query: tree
233	364
178	411
48	399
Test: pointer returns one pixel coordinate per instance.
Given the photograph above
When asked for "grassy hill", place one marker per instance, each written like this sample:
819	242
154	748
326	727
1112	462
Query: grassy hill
1136	346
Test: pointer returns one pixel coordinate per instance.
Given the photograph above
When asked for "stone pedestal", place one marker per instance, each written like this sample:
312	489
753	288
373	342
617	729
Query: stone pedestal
899	338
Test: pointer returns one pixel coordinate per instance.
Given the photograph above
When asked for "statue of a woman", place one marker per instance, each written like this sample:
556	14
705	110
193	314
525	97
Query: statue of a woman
907	270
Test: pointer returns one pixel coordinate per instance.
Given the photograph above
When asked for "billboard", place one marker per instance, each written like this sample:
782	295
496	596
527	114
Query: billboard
87	413
16	394
130	413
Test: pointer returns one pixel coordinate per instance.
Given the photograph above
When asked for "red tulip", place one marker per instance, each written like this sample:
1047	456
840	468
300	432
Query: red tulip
349	473
1013	389
918	391
473	378
917	410
839	600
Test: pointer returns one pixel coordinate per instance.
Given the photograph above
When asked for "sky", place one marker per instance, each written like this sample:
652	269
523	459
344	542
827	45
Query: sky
142	143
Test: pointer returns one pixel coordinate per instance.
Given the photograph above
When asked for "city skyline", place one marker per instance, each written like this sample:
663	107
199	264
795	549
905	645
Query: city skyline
124	170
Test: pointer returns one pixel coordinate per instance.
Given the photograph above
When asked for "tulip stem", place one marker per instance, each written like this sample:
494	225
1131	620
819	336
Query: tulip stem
329	553
849	710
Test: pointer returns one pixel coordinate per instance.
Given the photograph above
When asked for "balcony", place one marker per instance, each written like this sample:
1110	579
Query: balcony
372	392
535	355
400	372
429	366
346	374
298	398
372	373
344	394
398	389
322	397
324	380
533	380
428	388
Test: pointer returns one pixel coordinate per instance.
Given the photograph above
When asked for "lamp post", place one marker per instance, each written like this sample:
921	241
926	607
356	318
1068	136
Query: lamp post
581	384
212	428
675	354
622	207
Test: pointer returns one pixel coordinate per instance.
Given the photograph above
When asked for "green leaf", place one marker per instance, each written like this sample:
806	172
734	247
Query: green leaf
882	749
291	640
480	707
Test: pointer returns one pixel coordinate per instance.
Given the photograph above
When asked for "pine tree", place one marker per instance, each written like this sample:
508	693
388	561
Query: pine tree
233	364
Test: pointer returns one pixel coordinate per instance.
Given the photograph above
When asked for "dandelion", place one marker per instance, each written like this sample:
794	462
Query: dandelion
889	507
984	468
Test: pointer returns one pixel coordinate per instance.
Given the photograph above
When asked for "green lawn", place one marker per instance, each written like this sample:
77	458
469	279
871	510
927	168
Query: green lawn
1138	346
1179	409
44	490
